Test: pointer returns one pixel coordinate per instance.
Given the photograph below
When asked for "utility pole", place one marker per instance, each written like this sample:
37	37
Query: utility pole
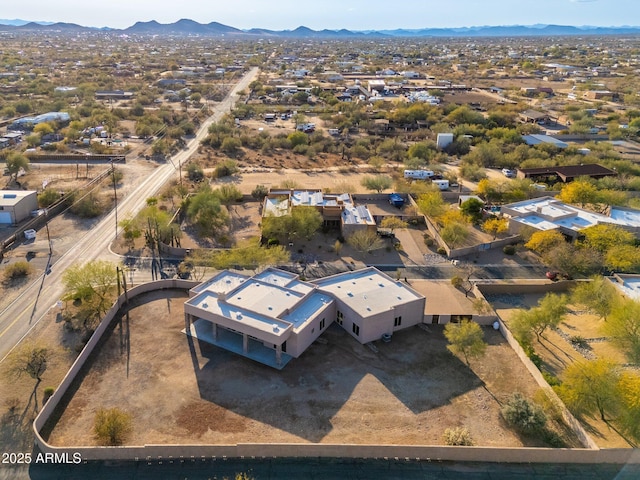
46	224
115	193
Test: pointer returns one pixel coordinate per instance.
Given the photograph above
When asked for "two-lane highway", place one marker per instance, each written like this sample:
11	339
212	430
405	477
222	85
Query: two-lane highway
34	302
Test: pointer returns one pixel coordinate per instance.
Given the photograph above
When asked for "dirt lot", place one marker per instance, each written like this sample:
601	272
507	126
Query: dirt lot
557	352
338	391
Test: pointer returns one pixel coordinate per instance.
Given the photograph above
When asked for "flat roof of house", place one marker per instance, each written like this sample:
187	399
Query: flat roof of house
307	309
264	298
276	206
275	277
223	282
546	213
208	302
10	198
570	171
538	139
357	215
367	291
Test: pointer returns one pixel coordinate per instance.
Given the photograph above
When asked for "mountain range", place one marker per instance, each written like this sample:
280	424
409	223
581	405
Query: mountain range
186	27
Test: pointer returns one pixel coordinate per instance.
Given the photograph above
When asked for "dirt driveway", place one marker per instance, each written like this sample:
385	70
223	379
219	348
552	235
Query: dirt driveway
338	391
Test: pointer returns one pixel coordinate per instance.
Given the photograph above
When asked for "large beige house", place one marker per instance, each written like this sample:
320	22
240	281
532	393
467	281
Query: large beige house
274	316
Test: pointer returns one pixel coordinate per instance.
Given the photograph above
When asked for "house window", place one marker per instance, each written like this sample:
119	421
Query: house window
356	329
321	324
339	317
397	321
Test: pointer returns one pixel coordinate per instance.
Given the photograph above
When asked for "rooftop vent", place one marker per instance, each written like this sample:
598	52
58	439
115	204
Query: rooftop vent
205	305
276	329
239	316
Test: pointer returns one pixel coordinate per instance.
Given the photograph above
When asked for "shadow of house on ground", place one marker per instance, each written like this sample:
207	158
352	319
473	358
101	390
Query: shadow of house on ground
181	391
414	371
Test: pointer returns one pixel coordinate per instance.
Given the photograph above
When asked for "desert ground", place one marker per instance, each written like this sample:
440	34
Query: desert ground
339	391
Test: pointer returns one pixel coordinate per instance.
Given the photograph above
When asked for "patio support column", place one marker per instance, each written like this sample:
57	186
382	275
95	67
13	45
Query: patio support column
214	331
279	354
245	343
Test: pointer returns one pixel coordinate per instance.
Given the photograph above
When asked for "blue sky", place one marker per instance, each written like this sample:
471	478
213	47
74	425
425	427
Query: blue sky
333	14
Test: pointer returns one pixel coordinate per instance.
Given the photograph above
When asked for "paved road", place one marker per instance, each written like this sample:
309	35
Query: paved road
35	301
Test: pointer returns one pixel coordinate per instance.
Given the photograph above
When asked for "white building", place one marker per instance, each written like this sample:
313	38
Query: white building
16	205
274	316
548	213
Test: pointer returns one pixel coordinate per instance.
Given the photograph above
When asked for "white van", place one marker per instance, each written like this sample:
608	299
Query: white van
418	174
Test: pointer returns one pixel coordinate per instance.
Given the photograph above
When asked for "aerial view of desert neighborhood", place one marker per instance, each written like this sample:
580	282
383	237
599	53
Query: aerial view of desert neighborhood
319	239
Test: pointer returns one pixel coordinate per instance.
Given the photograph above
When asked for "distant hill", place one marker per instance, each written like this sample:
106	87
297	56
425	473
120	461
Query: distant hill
190	27
16	22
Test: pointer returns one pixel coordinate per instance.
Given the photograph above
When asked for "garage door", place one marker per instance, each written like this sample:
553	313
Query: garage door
5	217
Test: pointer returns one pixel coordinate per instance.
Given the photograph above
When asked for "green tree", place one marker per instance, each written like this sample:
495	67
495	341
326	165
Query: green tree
43	129
466	339
579	192
207	212
495	226
544	241
130	231
598	296
31	358
623	258
591	387
550	312
623	327
93	284
431	204
454	234
231	146
15	162
392	223
604	236
629	415
377	183
472	209
302	222
298	138
112	426
48	197
365	241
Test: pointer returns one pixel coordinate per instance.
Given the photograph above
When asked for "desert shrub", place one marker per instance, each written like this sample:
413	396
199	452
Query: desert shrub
509	249
89	206
48	197
47	394
428	241
112	426
195	172
459	436
523	415
259	192
226	168
17	270
441	251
